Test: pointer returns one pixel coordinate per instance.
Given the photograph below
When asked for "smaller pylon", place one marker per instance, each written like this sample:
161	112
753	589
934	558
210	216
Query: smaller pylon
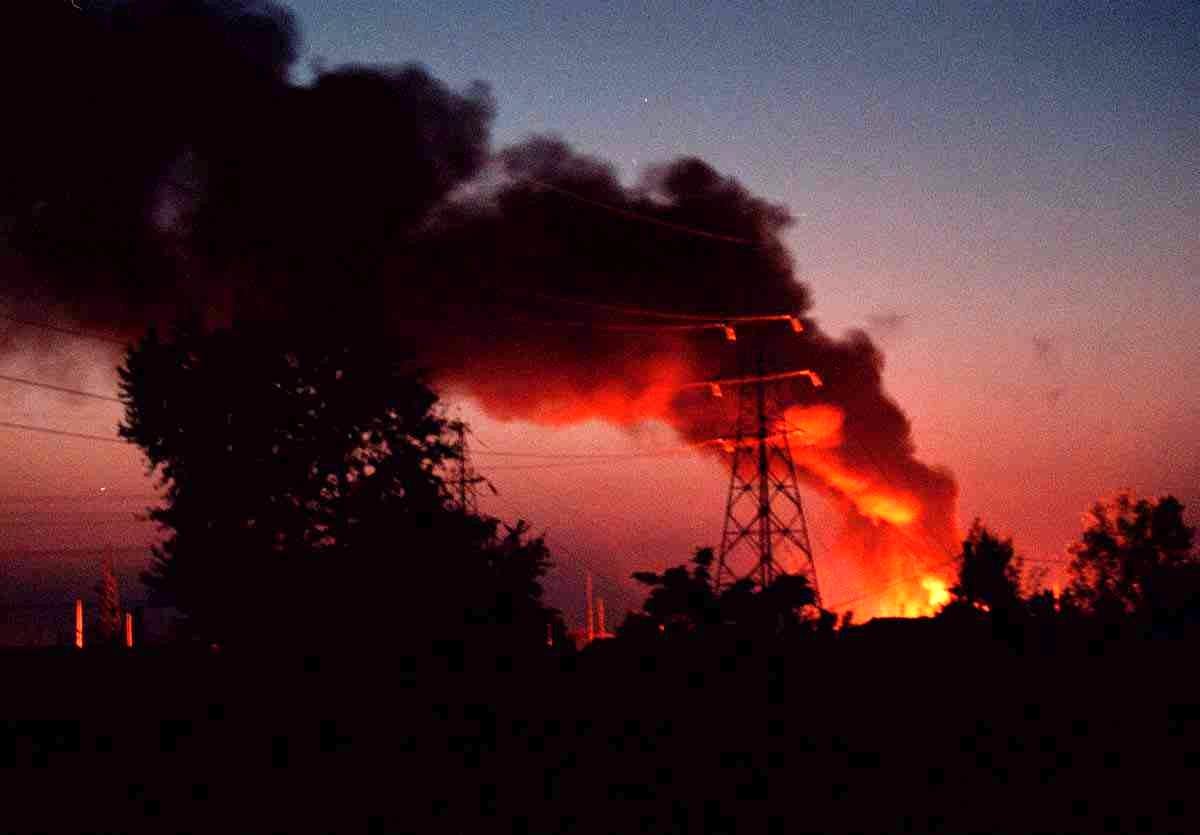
463	478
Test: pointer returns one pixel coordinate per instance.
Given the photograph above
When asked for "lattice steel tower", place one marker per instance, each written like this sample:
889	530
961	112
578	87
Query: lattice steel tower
463	479
764	513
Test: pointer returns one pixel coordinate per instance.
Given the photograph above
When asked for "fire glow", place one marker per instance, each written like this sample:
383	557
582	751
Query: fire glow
922	598
885	532
818	430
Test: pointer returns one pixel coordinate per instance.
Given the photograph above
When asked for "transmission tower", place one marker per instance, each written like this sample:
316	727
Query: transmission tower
463	477
764	513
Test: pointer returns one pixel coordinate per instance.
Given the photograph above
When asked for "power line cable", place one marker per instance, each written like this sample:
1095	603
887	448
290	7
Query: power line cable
661	452
550	465
650	313
654	453
46	430
582	457
558	458
648	329
63	389
75	497
79	520
644	218
715	385
65	330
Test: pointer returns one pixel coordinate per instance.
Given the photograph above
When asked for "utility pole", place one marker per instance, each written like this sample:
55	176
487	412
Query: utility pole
764	511
108	622
78	623
591	618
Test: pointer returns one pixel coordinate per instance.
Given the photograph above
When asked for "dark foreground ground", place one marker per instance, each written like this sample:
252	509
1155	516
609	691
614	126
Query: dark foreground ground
906	734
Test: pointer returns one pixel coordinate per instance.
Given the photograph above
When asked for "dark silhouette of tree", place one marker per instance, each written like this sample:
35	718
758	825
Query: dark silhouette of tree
683	601
304	502
494	589
779	608
1135	557
1042	605
785	602
988	576
680	600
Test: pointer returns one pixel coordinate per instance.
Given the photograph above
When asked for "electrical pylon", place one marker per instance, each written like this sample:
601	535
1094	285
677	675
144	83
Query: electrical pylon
764	511
463	476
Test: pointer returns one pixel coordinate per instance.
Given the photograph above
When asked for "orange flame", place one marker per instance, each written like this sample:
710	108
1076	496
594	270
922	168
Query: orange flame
891	539
921	599
819	430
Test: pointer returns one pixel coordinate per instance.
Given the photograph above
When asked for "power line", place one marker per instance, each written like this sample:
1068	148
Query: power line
650	313
662	452
65	330
583	457
558	458
644	218
715	385
627	309
75	497
650	329
655	453
79	520
726	327
46	430
549	465
69	604
65	390
78	550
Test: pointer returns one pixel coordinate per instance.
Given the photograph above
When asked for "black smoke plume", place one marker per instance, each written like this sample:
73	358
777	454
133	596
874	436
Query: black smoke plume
162	160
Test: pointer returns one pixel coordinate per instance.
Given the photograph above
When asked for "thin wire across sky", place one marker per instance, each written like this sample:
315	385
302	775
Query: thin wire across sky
675	322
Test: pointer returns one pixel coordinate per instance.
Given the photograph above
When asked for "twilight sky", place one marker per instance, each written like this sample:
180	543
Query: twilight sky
1006	197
